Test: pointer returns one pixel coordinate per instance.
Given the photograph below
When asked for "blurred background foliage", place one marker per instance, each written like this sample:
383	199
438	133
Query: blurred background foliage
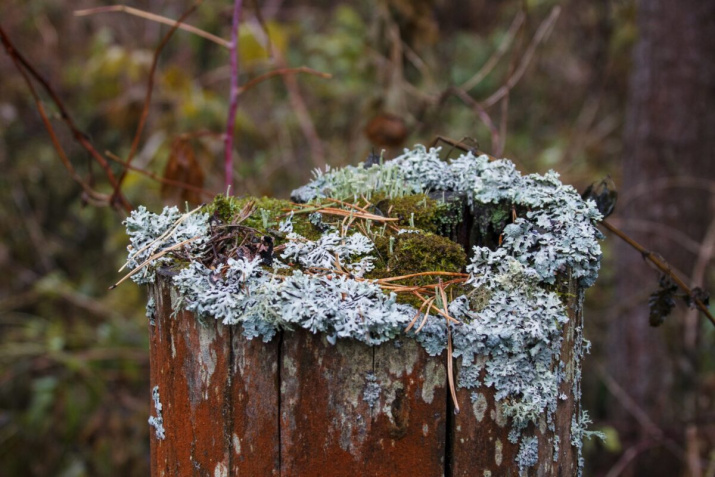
74	396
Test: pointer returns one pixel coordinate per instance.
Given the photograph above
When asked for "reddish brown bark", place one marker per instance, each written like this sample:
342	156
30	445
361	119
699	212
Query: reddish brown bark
190	365
219	394
328	428
297	406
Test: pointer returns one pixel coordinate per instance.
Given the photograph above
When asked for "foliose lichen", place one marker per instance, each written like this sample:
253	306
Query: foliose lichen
579	432
528	454
151	310
371	393
556	232
326	275
157	422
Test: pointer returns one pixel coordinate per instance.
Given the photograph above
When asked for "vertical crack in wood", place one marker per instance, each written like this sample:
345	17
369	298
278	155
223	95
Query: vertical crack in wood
279	384
371	408
449	429
228	397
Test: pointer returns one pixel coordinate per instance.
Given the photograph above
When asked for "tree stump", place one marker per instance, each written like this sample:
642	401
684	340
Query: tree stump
344	385
301	406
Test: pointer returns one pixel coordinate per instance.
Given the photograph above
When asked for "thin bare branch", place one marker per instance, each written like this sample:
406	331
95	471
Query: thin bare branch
282	72
27	71
541	34
317	154
646	188
497	55
645	421
479	109
662	265
158	178
705	256
149	92
155	18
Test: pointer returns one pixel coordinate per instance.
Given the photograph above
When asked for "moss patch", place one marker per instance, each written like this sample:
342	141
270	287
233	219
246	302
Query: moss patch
426	250
414	253
266	216
421	211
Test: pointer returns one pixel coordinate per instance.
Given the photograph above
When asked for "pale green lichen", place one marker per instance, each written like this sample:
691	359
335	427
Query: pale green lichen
528	454
371	393
507	310
157	422
579	431
151	310
558	228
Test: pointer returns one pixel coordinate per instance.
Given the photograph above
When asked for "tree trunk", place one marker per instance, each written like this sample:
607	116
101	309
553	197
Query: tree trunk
301	406
666	204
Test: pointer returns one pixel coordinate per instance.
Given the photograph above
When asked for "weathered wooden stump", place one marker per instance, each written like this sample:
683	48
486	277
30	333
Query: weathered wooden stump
365	396
300	406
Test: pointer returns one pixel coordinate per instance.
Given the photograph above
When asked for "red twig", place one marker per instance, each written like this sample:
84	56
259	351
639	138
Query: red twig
231	45
27	71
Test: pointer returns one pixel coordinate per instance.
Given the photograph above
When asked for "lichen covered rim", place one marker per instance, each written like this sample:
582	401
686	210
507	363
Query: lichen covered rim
517	321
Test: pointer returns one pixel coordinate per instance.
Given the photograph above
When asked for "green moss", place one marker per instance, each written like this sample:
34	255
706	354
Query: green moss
415	253
267	214
425	251
417	211
422	212
223	207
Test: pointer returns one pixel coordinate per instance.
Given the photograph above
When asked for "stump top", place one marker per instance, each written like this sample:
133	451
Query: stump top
352	264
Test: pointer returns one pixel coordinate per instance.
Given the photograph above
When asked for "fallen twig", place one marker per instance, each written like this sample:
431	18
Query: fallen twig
152	258
160	239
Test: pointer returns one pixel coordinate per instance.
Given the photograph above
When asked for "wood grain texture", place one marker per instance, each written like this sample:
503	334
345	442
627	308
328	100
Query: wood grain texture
328	428
253	398
190	365
296	406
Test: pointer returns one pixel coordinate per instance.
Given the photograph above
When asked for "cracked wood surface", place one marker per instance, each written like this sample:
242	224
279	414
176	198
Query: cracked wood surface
296	406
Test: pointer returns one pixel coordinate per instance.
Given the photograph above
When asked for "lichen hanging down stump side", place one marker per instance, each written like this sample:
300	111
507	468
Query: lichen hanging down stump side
480	437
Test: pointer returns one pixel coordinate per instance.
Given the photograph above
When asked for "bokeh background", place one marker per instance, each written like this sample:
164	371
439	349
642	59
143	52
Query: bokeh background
615	87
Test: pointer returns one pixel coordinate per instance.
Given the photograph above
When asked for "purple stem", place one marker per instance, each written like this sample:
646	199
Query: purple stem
233	97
